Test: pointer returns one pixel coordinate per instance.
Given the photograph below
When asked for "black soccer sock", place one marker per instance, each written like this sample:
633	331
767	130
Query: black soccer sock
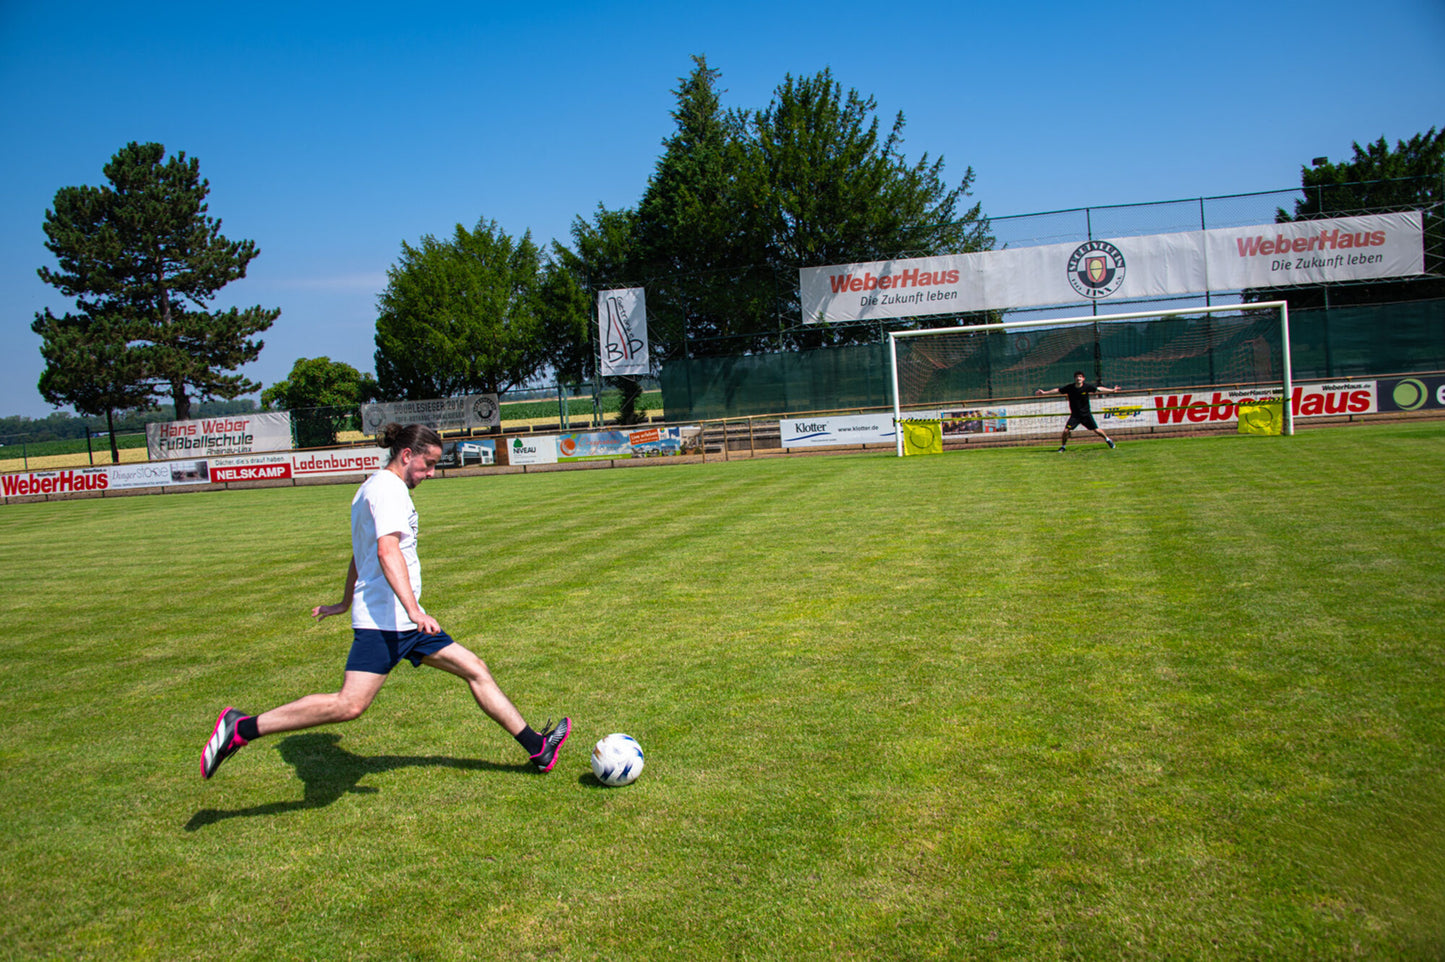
246	728
530	740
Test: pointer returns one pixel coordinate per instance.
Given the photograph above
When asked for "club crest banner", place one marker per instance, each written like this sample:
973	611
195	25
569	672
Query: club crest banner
464	413
1121	269
622	332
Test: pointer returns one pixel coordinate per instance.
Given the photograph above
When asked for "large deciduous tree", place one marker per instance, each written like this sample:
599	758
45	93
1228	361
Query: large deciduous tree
461	316
323	396
143	262
1376	179
828	189
740	200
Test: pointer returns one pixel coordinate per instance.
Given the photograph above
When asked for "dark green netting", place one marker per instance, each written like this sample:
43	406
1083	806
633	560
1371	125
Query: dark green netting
1151	354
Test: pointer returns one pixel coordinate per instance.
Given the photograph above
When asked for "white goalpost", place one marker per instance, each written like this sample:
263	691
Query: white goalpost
1238	344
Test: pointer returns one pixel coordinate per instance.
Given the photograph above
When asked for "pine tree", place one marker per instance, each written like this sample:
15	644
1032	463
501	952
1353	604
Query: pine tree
143	262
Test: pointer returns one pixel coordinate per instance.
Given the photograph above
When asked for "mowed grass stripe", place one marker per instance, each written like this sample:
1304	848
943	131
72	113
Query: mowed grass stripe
1180	699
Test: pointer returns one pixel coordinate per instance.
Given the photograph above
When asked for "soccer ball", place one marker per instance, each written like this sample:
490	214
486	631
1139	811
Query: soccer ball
617	760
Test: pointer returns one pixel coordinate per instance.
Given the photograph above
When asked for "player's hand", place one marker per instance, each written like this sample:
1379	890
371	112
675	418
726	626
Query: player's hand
321	612
428	625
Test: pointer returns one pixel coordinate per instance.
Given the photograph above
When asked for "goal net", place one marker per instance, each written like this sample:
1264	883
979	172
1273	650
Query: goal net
1237	345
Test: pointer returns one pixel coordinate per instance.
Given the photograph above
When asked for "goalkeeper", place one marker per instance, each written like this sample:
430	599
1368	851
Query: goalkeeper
1079	412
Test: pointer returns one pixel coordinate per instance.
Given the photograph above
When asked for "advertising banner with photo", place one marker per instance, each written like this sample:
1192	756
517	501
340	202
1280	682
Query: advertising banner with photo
622	332
472	452
641	443
466	413
1122	269
210	437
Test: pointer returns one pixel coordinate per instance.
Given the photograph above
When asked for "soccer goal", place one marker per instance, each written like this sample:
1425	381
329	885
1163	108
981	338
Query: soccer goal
1235	345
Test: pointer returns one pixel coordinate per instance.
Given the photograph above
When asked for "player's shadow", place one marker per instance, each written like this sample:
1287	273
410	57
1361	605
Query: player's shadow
328	771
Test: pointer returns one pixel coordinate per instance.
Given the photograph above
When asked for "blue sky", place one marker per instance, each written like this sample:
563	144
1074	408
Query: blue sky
331	133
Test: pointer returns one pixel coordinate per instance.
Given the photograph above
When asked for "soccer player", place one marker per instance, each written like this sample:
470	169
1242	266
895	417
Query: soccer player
382	588
1079	413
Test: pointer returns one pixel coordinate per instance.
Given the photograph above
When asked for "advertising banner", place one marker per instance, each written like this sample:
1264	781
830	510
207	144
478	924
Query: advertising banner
1316	251
1204	409
974	421
622	332
532	449
258	468
1411	393
327	463
30	483
209	437
463	413
130	476
644	443
824	432
1122	269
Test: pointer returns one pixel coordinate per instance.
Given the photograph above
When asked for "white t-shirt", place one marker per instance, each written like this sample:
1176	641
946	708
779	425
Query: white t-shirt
382	506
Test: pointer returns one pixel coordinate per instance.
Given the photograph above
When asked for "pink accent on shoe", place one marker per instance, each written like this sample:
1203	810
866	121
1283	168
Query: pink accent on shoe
558	750
236	740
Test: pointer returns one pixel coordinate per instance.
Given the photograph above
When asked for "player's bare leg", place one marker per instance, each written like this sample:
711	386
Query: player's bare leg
358	688
490	698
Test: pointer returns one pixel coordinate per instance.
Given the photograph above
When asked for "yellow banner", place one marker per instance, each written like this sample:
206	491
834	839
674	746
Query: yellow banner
1261	417
922	437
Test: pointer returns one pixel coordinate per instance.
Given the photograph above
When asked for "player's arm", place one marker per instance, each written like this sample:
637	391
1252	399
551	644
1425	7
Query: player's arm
1052	390
324	611
1110	390
393	565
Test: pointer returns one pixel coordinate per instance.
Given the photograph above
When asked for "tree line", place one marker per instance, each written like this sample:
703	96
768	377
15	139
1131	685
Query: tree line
737	201
64	426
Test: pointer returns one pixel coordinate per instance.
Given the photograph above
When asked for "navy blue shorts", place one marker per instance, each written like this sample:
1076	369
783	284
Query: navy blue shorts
379	651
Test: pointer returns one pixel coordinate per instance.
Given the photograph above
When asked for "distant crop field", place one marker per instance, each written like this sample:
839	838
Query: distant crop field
1185	699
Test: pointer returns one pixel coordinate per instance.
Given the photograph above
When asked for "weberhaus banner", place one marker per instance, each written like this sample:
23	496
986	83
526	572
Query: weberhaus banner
1122	269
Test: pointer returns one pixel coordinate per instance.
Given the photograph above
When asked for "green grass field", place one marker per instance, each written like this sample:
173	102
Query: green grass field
1181	700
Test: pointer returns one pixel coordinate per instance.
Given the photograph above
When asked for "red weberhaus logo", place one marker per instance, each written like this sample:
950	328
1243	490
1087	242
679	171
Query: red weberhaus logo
62	482
1326	240
912	277
1179	408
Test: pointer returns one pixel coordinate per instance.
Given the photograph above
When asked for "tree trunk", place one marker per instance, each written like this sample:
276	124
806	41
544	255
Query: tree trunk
182	400
110	428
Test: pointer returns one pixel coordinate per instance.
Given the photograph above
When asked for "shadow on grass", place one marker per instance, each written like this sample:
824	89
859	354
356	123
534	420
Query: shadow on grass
329	771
